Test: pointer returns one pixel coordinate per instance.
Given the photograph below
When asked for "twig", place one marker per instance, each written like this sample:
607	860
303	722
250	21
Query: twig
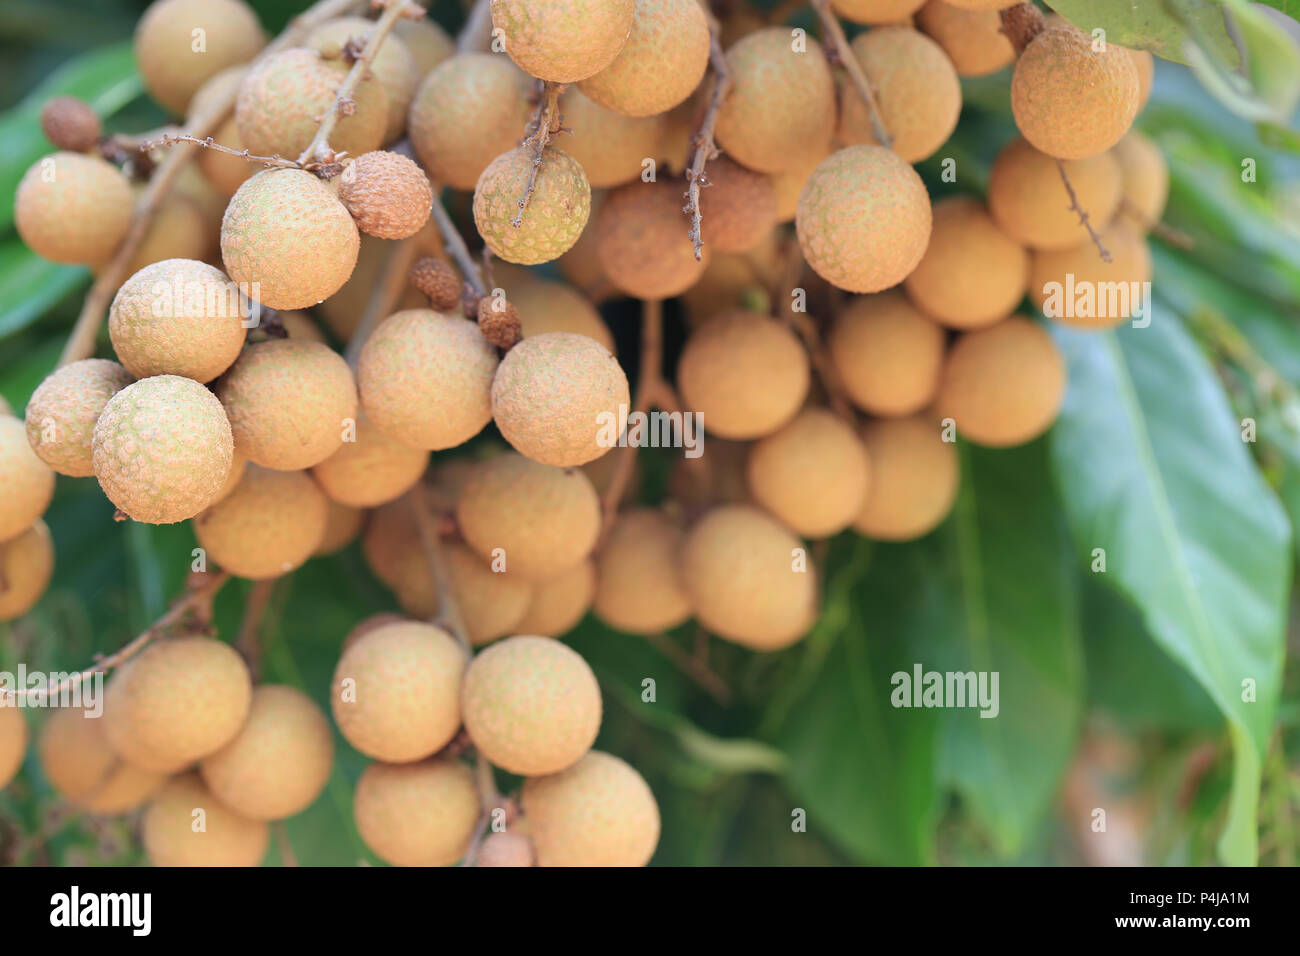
457	249
1163	232
692	667
287	856
476	35
489	800
1084	219
545	123
449	616
385	295
249	643
170	139
839	47
703	145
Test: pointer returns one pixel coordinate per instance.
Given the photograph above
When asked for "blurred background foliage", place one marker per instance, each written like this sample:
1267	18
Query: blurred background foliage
1119	690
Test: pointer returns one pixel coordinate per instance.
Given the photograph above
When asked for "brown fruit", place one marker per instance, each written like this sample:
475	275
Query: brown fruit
914	478
876	11
70	123
611	148
642	241
506	849
738	208
1029	202
887	354
342	526
554	307
439	281
271	523
1145	176
388	195
393	66
492	602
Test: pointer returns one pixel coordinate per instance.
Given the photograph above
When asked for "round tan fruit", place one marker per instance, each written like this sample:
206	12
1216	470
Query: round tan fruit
1076	286
1029	201
642	242
388	195
637	586
492	602
428	43
179	230
371	468
556	212
1145	64
887	354
611	148
73	208
368	625
563	40
62	412
560	602
787	187
271	523
506	849
393	66
225	172
554	307
1145	176
418	814
238	465
973	39
661	64
738	209
26	566
342	526
914	478
186	825
27	481
83	768
172	61
13	743
876	11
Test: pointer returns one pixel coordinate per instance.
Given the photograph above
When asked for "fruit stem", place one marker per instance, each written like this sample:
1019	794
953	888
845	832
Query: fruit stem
1021	24
489	799
249	642
1084	219
457	249
544	125
383	299
703	144
839	45
171	139
476	35
449	617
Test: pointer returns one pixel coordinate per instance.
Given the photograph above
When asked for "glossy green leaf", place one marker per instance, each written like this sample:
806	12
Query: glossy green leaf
1268	90
1166	29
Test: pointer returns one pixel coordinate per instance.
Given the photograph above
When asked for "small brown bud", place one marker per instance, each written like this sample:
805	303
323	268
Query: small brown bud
439	281
70	123
499	321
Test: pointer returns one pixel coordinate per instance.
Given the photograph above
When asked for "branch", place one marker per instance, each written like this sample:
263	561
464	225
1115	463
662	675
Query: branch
1084	219
476	35
489	800
692	666
703	143
385	295
457	249
449	616
249	642
171	139
543	126
841	51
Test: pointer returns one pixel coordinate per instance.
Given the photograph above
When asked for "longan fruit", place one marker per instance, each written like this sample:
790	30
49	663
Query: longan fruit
271	523
13	743
661	63
973	39
225	172
556	213
427	43
733	281
863	219
559	602
1145	64
637	585
28	482
983	4
1003	385
179	230
425	379
62	412
238	465
70	123
342	526
781	107
599	812
83	768
560	398
916	88
301	326
546	306
1086	290
738	208
581	264
887	354
642	241
972	273
393	66
73	208
342	312
748	578
368	625
177	701
611	148
173	835
505	848
745	373
531	705
172	65
717	477
1029	202
788	185
1145	176
26	566
388	195
876	11
370	469
563	40
914	478
1070	100
417	814
492	603
162	449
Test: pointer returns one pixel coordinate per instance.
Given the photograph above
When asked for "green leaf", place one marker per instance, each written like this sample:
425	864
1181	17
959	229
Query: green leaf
29	284
1268	90
1166	29
1152	469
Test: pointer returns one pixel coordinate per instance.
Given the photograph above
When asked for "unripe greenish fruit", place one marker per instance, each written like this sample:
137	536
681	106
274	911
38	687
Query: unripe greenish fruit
747	578
972	273
289	402
560	398
492	602
177	317
887	354
812	474
876	11
177	701
863	219
914	478
1003	385
556	212
288	239
396	695
387	194
427	42
560	602
271	523
781	107
554	307
916	88
73	208
171	62
1070	100
1145	176
745	373
425	379
544	519
637	585
642	241
417	814
342	526
506	849
599	812
973	39
280	760
611	148
738	209
370	469
27	481
83	768
563	40
1029	202
1077	287
26	566
531	705
62	412
466	113
393	65
172	836
661	63
13	743
162	449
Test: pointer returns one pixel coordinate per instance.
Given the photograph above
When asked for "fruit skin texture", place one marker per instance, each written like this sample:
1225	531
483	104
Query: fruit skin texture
70	123
280	760
171	68
738	209
227	839
81	765
554	307
505	849
599	812
27	481
738	565
637	587
388	195
781	106
13	743
270	524
288	238
661	64
73	208
745	373
466	113
1125	274
557	210
1069	101
563	40
1003	385
1145	176
546	519
342	525
609	146
973	39
425	379
914	478
177	317
178	231
972	274
162	449
812	474
863	219
393	66
177	701
531	705
288	401
370	470
887	354
491	602
559	602
418	814
916	87
641	241
396	695
1029	202
427	42
560	398
26	566
65	407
